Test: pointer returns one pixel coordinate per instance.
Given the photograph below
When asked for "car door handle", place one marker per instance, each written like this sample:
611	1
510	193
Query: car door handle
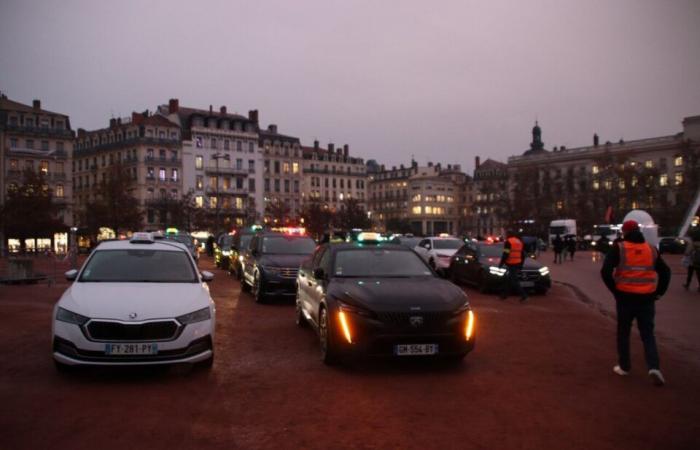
310	284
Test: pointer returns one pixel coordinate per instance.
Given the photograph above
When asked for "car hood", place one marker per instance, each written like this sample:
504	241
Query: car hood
147	300
283	260
398	294
529	264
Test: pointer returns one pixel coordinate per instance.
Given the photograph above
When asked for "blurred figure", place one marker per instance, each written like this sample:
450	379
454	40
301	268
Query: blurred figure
558	246
513	258
691	259
210	245
571	246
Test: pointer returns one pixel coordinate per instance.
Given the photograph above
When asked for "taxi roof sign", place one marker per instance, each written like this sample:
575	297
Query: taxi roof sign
142	238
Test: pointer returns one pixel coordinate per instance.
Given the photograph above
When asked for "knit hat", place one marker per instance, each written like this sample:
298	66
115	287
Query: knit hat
629	225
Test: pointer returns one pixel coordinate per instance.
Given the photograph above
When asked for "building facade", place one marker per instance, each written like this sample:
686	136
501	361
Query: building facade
222	163
32	138
490	198
283	176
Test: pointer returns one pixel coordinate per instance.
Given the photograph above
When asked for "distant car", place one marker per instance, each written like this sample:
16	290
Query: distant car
671	244
381	300
477	264
187	240
222	251
239	244
437	251
271	263
407	241
135	302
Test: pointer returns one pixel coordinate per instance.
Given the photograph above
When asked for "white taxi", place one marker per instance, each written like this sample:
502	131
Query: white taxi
438	251
136	302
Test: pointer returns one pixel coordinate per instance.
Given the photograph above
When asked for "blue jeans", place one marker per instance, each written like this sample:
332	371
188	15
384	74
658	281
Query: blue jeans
644	311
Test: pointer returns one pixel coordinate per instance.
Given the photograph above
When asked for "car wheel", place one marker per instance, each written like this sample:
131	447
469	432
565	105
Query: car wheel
258	289
325	335
300	320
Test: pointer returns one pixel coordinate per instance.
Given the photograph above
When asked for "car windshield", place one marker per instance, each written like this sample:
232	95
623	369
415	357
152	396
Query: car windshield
446	244
491	250
181	238
408	241
245	240
226	241
379	262
288	245
139	265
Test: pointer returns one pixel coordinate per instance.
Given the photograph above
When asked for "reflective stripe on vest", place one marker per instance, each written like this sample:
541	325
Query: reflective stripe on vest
516	252
635	273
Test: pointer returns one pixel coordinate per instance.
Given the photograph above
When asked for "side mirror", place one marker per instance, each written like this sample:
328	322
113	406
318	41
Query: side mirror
207	276
319	273
71	275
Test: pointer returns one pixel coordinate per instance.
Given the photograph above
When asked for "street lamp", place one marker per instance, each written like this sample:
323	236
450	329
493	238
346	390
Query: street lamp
216	157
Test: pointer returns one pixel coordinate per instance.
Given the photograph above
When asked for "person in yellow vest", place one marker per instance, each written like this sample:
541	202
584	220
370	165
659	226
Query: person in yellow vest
637	276
513	258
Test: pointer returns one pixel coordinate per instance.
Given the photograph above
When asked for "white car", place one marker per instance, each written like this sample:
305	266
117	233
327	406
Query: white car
136	302
437	251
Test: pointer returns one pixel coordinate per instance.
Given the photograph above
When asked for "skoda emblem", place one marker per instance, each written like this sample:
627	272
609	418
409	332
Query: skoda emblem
132	315
416	321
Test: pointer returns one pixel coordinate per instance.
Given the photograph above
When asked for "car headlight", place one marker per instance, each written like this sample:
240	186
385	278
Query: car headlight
498	271
354	309
593	243
70	317
226	252
544	271
196	316
464	307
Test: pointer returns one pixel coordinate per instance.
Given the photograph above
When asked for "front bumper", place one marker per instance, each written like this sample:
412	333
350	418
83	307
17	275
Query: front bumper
529	281
193	344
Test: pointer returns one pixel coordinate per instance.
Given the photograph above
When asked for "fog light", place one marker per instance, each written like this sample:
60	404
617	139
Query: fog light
345	327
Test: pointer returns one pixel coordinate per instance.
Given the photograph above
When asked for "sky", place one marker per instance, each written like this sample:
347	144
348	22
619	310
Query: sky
443	81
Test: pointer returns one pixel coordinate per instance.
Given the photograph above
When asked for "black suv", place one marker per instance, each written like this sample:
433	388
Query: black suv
271	263
239	244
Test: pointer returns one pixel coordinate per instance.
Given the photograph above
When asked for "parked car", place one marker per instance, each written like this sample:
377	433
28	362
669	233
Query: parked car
222	251
407	241
135	302
671	244
240	243
477	264
381	300
187	240
437	251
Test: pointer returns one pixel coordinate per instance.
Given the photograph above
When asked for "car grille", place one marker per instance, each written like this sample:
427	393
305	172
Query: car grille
529	275
163	330
430	320
287	272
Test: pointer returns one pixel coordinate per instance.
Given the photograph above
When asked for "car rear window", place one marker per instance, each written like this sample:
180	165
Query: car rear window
379	262
491	250
139	265
446	244
288	245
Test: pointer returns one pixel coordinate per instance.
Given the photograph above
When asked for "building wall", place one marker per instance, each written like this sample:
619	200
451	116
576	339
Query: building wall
283	175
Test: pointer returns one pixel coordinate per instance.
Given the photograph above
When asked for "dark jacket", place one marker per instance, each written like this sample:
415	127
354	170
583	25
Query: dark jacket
612	259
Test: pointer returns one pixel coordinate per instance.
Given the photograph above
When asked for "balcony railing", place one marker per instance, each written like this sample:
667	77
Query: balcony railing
226	170
159	160
210	191
41	131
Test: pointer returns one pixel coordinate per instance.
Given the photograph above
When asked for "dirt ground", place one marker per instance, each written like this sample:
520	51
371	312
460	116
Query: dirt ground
539	378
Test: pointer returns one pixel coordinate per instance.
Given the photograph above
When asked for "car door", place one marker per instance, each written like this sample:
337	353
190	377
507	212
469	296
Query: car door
459	263
317	285
471	264
305	278
423	248
249	255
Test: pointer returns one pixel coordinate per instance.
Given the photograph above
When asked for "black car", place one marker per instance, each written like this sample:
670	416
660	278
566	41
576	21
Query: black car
271	263
239	244
476	263
406	241
222	251
673	245
381	300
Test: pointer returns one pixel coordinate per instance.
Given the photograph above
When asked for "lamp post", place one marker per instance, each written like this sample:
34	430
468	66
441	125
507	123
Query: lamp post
216	157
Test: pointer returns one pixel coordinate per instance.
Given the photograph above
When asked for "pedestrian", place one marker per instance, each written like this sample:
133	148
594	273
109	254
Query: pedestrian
637	276
513	258
558	246
571	246
210	245
691	259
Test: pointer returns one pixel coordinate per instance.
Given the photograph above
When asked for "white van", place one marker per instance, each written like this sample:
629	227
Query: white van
562	227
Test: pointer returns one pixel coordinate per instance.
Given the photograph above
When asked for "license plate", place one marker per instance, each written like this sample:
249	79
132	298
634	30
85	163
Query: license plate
415	349
527	283
131	349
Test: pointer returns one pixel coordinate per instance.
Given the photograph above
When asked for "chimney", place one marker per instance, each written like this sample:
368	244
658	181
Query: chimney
211	109
346	150
316	145
382	167
331	147
119	120
401	167
457	167
253	115
477	162
222	110
137	118
393	167
173	105
81	132
112	123
595	139
430	164
272	128
36	104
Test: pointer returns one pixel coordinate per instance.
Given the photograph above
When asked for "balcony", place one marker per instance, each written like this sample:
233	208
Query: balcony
163	161
225	171
210	191
88	149
41	131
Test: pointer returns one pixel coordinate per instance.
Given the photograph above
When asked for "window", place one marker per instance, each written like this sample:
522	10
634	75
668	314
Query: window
13	142
267	185
251	185
227	183
251	147
29	164
286	186
174	175
213	142
161	154
266	166
198	162
277	185
213	202
59	146
295	167
213	182
663	180
30	143
44	167
239	183
277	167
58	192
14	164
239	146
596	186
649	164
296	186
416	210
678	161
239	164
44	145
199	201
199	182
594	169
608	185
161	174
678	178
621	185
198	141
251	166
227	144
285	167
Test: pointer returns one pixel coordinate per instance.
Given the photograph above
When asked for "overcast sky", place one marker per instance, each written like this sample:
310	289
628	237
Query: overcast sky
444	80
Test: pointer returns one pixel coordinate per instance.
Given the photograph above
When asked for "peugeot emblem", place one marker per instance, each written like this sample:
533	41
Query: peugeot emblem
416	321
132	315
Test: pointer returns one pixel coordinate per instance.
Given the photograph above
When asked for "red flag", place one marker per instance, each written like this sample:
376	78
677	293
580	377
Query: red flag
608	214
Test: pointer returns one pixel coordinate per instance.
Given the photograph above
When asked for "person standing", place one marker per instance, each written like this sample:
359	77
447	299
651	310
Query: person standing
571	246
513	258
637	276
691	259
558	246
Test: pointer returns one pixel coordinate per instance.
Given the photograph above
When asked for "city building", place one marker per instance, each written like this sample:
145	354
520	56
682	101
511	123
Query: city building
331	176
490	204
283	176
32	138
147	146
222	162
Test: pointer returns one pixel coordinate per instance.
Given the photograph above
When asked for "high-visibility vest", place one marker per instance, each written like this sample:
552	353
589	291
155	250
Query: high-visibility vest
516	251
635	273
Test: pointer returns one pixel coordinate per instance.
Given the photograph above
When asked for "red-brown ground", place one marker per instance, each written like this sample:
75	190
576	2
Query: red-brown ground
539	378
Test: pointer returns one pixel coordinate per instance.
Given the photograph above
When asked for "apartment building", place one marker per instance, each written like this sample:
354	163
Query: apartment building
331	175
283	176
42	141
222	162
147	146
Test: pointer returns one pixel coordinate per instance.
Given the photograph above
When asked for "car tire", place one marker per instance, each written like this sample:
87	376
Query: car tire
325	336
257	289
299	318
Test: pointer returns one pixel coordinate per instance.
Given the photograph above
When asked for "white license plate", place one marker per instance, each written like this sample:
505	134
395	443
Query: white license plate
131	349
527	283
415	349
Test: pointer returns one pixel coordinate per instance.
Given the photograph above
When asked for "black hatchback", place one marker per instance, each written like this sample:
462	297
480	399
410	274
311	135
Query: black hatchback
381	300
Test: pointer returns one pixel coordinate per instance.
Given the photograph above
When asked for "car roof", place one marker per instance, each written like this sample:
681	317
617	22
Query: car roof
357	245
168	245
